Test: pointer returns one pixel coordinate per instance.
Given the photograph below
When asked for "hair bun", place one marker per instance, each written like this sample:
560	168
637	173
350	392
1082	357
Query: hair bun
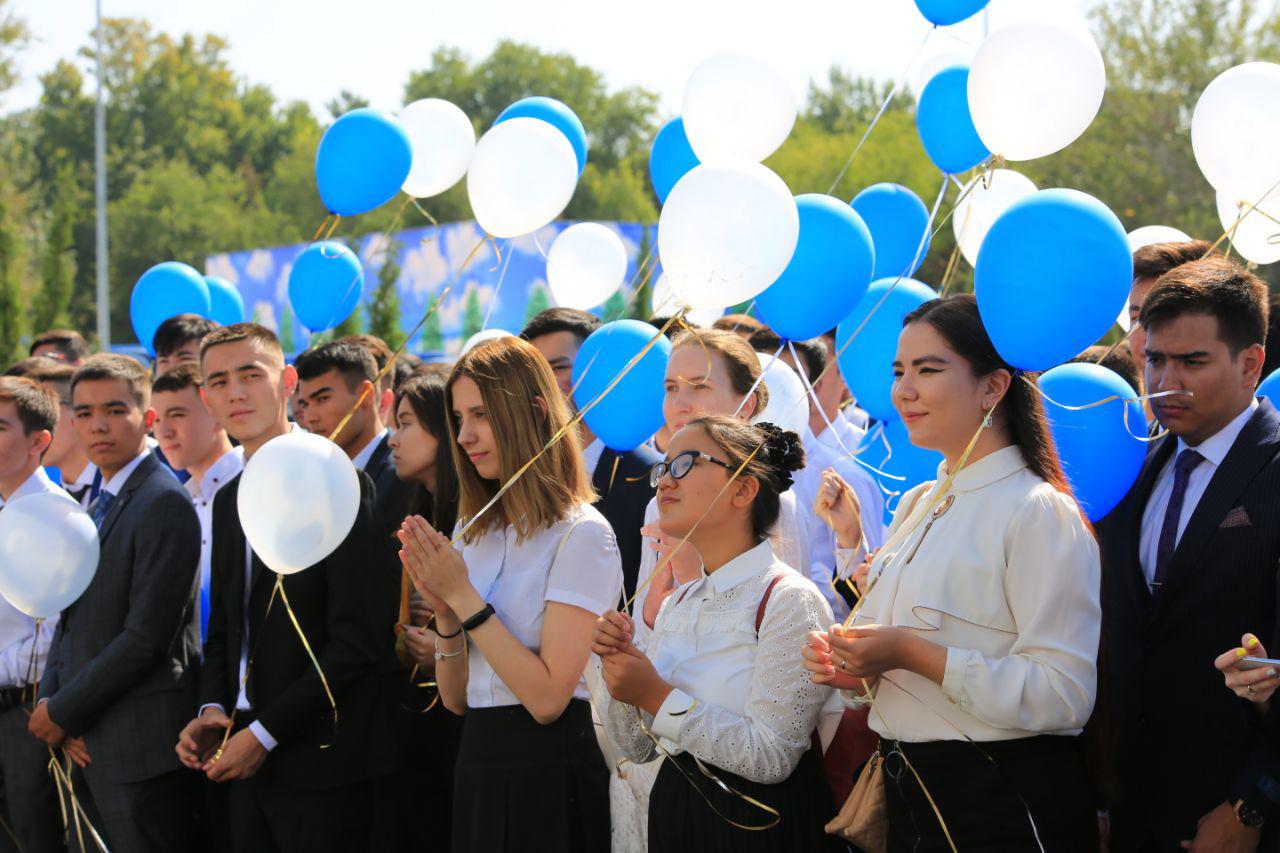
784	453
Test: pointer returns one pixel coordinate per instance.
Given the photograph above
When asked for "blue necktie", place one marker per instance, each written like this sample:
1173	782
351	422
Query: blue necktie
1182	468
100	507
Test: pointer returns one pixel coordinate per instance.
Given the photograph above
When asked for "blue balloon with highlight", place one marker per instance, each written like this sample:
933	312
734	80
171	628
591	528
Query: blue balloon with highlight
945	124
867	363
631	412
1053	274
162	292
1270	389
325	285
362	162
828	273
947	12
556	114
226	305
899	225
670	158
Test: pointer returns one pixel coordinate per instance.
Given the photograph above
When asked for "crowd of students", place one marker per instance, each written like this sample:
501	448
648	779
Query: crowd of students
530	644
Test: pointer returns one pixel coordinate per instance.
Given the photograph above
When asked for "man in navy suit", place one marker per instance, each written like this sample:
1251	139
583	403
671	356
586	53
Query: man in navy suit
1190	560
121	675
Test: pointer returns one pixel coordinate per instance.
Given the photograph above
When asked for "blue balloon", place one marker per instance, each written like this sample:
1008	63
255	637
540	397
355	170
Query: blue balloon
945	125
899	224
900	458
1052	275
828	274
165	290
325	285
362	161
946	12
1270	388
632	412
1101	456
867	363
557	115
670	158
226	303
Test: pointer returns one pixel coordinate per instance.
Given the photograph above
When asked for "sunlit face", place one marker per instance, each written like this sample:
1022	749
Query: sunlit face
1138	335
940	401
682	502
323	402
475	431
414	449
246	386
186	430
110	424
17	449
65	443
189	351
560	349
698	384
1186	354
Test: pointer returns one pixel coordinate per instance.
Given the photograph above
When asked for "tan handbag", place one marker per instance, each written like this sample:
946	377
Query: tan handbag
863	819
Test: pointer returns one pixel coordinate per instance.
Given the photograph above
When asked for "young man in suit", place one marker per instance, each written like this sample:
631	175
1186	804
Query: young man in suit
1190	561
121	673
177	340
76	474
298	773
620	479
28	415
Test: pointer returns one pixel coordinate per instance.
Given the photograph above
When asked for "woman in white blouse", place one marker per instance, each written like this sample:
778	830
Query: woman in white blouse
515	599
719	688
978	633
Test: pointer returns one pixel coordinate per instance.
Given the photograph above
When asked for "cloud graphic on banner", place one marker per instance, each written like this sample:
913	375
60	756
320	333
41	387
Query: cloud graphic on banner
222	267
260	265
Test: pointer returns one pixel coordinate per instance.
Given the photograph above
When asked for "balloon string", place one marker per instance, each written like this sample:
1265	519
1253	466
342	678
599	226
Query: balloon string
1228	234
497	288
384	237
324	682
248	670
635	293
747	313
1126	400
67	794
880	113
754	385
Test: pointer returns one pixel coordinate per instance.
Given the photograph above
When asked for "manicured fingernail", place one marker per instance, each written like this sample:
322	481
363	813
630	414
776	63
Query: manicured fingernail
1253	641
1241	653
1271	672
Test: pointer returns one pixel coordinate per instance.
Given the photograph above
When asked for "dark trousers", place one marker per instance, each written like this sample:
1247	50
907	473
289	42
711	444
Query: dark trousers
151	816
268	816
28	800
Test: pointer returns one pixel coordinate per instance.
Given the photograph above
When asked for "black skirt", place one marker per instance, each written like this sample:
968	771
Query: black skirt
523	786
985	801
680	819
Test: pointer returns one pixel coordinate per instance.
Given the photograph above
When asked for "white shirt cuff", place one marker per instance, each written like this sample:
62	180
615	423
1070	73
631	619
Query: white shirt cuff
846	561
204	708
264	737
671	715
953	675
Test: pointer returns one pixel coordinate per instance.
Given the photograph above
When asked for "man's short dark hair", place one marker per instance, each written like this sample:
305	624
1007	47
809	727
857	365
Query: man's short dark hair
237	332
381	353
106	365
661	322
51	371
178	331
1215	287
812	353
354	362
1157	259
407	364
1116	359
552	320
178	377
68	342
37	406
739	323
26	366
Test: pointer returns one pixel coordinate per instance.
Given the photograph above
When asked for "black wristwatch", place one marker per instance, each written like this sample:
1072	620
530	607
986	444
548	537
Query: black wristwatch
479	619
1249	817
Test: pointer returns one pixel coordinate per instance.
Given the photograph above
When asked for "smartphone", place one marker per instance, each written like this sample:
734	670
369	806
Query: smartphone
1257	663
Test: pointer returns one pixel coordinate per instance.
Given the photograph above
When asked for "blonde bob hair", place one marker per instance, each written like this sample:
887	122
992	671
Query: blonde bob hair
740	360
525	409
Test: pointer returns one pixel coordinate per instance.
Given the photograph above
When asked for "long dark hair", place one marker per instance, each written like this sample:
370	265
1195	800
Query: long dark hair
425	393
956	318
780	454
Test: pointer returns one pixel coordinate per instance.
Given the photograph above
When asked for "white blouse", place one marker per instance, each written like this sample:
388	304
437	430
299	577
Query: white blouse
574	561
1007	578
742	701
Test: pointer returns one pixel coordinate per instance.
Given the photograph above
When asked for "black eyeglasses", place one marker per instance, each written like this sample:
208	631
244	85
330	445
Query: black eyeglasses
681	465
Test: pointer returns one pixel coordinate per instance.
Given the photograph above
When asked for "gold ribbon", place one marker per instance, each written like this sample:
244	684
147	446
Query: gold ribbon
324	682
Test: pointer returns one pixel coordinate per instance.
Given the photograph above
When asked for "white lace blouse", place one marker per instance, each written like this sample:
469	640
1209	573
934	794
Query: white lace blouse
742	702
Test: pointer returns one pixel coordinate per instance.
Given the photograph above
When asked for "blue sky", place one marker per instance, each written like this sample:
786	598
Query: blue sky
310	50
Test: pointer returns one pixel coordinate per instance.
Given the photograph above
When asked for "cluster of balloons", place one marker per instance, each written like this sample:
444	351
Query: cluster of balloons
172	288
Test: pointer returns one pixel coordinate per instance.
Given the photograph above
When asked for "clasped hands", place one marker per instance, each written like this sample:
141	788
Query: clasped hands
438	572
629	675
854	658
42	727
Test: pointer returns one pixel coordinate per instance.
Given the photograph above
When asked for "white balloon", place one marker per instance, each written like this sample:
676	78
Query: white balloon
984	200
442	140
48	553
787	406
482	336
737	107
585	265
727	231
1149	235
664	303
1034	88
1235	131
522	175
289	534
1257	229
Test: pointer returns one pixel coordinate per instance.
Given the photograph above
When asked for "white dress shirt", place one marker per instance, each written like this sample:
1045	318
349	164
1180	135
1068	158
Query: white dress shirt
1007	579
361	459
1214	449
83	483
202	493
117	481
742	701
574	561
591	456
23	649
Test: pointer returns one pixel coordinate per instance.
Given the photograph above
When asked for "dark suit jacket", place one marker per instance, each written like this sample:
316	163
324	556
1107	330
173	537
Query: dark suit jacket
121	670
623	503
392	494
1181	742
343	616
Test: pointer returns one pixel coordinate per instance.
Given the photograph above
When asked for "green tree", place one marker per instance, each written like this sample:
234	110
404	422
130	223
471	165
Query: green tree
345	103
384	306
285	330
11	306
432	337
646	277
472	316
539	300
14	36
614	307
57	270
